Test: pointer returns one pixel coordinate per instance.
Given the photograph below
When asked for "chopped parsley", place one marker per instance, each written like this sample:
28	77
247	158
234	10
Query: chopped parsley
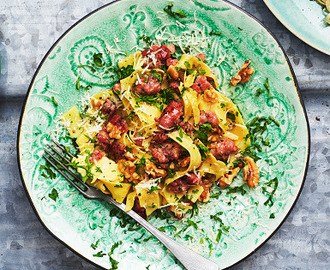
203	150
213	33
114	263
147	40
124	72
153	188
216	195
140	165
48	172
97	60
194	210
257	127
237	189
272	216
174	14
218	235
54	101
274	184
99	254
216	218
53	195
193	224
203	131
267	88
231	116
159	100
94	246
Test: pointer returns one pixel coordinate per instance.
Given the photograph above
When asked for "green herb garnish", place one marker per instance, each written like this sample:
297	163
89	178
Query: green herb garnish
114	263
174	14
153	188
272	183
53	195
213	33
94	246
54	101
99	254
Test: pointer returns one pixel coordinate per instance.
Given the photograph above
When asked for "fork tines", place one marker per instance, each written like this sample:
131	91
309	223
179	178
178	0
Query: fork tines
62	168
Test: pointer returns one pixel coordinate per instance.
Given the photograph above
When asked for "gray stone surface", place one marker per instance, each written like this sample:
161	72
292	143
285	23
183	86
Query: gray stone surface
29	28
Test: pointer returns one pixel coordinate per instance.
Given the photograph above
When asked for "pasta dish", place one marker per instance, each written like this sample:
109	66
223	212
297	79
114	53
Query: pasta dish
163	134
326	4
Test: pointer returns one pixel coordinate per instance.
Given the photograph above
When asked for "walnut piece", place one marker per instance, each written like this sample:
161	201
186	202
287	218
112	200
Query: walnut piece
226	180
130	156
96	103
251	172
243	75
205	196
184	162
211	96
173	72
113	131
127	168
151	169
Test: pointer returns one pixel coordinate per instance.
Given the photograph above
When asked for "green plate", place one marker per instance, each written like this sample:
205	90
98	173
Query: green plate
305	19
114	30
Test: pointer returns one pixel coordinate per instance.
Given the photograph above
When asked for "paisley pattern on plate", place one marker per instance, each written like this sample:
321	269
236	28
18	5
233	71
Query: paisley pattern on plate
115	30
305	19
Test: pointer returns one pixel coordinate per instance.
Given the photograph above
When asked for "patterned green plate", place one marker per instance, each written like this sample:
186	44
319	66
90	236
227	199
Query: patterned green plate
252	214
305	19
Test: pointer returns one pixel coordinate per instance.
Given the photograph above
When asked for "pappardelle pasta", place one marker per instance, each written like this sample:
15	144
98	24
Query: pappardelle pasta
163	135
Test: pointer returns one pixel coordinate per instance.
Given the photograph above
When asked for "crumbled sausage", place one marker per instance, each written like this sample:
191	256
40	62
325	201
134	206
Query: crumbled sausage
174	85
221	150
118	150
171	62
119	122
192	179
139	209
178	186
170	117
108	107
171	48
103	136
187	127
160	137
243	75
158	53
165	153
97	155
147	85
201	56
138	141
201	84
209	117
116	87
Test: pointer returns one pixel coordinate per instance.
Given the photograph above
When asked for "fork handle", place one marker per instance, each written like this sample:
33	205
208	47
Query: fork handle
188	258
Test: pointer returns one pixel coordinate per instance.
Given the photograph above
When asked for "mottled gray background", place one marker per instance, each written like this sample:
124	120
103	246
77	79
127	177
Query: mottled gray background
29	28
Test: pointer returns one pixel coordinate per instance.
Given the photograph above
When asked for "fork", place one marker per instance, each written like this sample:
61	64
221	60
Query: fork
188	258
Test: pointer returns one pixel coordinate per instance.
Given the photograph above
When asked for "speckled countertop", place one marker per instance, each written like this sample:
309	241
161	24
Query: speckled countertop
27	31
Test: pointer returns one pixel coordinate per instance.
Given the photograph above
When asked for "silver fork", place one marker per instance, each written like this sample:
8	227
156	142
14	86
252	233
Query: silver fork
188	258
